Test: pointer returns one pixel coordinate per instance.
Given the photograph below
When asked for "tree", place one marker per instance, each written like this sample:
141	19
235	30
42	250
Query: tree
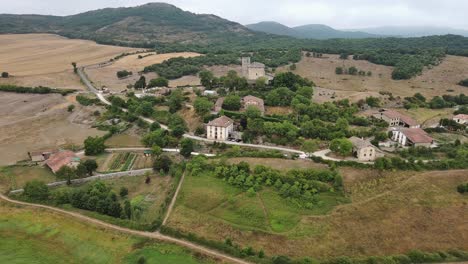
341	146
202	106
373	101
123	192
261	83
75	69
293	67
128	209
206	78
156	150
66	173
81	170
339	70
162	163
5	75
175	101
279	97
344	56
352	70
70	108
36	190
123	74
186	147
141	83
158	82
232	103
90	165
310	146
142	260
252	112
94	146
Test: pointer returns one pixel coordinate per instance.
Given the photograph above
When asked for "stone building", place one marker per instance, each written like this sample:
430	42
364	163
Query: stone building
412	137
396	119
363	150
220	128
250	100
252	71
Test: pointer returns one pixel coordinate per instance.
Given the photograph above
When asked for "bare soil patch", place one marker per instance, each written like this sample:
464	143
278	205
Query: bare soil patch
432	82
106	76
31	122
45	59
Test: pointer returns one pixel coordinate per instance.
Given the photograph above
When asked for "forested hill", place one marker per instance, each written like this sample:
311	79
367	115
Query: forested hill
141	24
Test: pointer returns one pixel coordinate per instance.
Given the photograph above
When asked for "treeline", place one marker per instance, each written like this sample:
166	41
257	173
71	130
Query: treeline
352	71
300	185
35	90
437	102
177	67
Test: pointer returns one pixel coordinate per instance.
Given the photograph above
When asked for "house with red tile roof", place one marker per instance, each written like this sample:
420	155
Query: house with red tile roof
412	137
220	128
63	158
396	119
250	100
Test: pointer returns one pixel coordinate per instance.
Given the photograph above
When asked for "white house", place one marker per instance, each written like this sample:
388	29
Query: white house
412	137
461	119
220	128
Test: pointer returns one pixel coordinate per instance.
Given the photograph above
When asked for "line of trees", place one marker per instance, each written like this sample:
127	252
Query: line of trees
34	90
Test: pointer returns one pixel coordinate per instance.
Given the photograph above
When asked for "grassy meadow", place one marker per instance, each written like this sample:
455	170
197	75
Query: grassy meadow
37	236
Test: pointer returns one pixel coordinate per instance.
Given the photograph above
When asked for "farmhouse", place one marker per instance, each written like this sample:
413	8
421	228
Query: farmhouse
412	137
220	128
461	119
39	156
396	119
363	150
62	158
254	101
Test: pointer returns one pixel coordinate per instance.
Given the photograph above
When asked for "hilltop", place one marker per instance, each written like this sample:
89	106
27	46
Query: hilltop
312	31
127	25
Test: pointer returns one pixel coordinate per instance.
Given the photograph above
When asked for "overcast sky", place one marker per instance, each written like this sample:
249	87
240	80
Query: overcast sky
336	13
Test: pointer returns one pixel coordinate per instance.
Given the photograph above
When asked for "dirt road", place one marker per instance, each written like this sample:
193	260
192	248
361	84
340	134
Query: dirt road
156	235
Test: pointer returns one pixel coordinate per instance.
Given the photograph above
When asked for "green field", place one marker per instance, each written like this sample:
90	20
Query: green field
384	214
15	177
37	236
210	197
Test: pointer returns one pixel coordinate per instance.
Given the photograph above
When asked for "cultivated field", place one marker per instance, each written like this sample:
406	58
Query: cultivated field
432	82
45	59
390	213
106	76
32	122
47	237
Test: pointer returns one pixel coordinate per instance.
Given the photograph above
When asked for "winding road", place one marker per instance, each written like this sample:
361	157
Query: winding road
155	235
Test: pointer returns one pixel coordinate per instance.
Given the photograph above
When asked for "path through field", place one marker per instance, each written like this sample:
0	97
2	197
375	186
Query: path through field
156	235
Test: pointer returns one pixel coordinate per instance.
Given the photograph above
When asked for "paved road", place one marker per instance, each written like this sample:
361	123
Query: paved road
156	235
101	97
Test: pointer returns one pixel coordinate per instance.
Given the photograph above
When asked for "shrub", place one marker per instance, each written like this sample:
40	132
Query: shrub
36	191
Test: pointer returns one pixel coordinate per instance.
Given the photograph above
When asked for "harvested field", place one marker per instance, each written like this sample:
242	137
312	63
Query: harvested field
32	122
432	82
106	76
390	213
45	59
279	164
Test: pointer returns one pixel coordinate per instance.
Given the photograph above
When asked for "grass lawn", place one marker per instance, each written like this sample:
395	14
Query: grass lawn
427	116
15	177
279	164
32	235
385	213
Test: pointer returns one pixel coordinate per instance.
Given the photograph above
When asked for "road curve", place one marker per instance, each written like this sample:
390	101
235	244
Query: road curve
156	235
101	97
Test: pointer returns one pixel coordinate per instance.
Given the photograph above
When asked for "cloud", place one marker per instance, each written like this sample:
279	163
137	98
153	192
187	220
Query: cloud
336	13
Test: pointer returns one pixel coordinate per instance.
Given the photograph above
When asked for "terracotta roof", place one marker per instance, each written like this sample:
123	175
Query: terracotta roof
461	116
60	159
250	100
403	118
417	135
219	104
222	121
42	152
360	143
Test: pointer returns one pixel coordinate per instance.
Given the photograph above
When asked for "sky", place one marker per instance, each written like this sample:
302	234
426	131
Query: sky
336	13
